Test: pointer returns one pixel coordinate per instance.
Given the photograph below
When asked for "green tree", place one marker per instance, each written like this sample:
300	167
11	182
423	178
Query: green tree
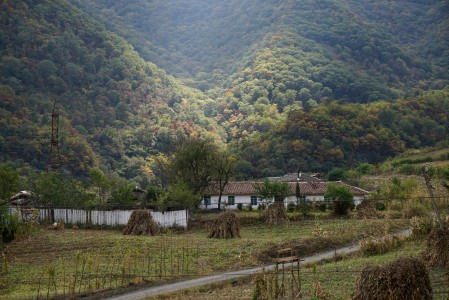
102	184
273	190
122	195
336	174
193	163
178	196
153	195
223	169
53	189
342	198
8	181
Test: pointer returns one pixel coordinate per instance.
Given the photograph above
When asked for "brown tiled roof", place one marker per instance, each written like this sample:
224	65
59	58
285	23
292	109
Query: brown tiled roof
234	188
307	188
320	188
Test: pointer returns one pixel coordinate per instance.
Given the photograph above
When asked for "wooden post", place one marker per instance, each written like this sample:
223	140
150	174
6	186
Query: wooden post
430	188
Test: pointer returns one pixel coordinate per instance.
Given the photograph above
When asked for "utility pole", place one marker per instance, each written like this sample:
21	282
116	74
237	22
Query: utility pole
430	188
54	159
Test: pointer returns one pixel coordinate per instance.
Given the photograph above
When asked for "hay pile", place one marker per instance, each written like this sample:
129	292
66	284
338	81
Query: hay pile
436	253
226	226
405	278
141	223
275	214
367	210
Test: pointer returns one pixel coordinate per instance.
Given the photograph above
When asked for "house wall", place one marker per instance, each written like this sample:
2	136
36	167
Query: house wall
244	199
357	199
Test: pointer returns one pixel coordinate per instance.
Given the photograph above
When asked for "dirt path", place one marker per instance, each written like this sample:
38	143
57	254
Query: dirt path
173	287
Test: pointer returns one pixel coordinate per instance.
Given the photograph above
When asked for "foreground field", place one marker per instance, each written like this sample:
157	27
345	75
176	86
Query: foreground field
329	280
76	262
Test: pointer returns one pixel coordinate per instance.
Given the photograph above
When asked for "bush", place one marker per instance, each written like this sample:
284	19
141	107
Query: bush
413	209
321	206
249	207
343	199
239	206
380	206
305	208
261	207
421	226
9	225
379	245
291	207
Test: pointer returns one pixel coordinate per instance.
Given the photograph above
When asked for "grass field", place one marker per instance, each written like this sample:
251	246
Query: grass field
329	280
68	262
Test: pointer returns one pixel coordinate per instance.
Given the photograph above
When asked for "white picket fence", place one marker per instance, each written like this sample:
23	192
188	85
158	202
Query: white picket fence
107	217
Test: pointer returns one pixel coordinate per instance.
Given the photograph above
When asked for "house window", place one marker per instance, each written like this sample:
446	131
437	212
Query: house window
231	200
206	200
253	200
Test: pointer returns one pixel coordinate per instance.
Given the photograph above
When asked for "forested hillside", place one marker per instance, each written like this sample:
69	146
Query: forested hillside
288	85
359	51
116	109
345	135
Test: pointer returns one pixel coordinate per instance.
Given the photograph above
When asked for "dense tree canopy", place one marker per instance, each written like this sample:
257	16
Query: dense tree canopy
286	84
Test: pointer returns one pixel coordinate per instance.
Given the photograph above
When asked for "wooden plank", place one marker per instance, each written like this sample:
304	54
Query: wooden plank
288	259
285	250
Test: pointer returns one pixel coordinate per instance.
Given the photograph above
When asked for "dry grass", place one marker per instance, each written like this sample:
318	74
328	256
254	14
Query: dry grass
141	223
226	226
275	214
436	253
405	278
125	259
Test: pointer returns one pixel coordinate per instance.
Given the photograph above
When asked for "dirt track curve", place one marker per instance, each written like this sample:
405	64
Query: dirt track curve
181	285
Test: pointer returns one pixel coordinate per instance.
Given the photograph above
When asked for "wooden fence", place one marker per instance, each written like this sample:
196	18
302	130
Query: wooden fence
103	217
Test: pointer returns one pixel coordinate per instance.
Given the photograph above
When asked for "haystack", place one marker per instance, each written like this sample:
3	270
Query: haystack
141	223
367	209
405	278
436	253
276	214
226	226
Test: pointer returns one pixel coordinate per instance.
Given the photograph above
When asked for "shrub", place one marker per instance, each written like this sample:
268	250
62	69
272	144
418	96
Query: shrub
322	206
380	205
261	207
239	206
378	245
343	199
421	225
9	225
413	209
305	208
249	207
291	207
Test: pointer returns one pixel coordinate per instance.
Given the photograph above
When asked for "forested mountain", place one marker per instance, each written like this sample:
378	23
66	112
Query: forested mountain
116	109
359	51
286	84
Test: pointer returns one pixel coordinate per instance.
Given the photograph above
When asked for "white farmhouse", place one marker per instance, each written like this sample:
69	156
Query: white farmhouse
244	192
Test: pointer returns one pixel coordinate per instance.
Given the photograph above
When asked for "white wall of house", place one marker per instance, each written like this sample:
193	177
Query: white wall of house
246	200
